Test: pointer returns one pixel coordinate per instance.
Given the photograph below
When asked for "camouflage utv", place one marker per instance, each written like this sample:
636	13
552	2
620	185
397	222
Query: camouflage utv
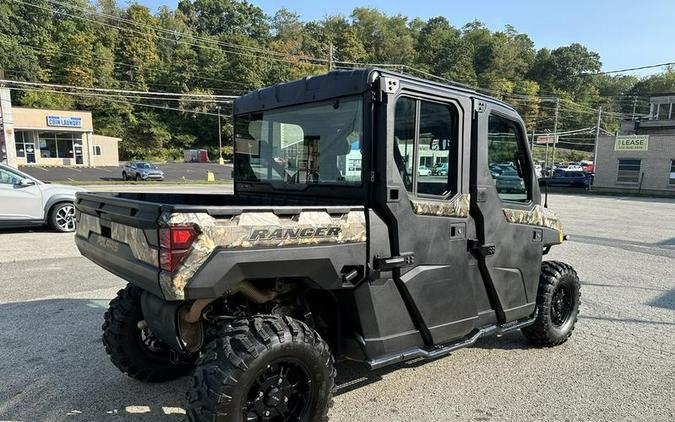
334	245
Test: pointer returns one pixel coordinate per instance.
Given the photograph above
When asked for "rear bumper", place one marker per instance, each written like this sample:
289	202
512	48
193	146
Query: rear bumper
122	264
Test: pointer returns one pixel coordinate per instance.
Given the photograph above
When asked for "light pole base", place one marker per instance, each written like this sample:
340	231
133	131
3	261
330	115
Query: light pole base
221	161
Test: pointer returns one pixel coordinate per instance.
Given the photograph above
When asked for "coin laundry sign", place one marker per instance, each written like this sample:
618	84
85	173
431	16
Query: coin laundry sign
631	143
60	121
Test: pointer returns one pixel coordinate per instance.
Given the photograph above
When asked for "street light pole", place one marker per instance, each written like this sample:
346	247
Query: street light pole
555	132
597	139
220	141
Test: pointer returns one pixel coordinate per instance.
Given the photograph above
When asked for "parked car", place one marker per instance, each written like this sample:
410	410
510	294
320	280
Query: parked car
510	181
574	167
26	201
567	178
423	170
440	170
141	170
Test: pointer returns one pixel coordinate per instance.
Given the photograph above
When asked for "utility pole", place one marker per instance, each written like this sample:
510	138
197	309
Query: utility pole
555	131
330	57
597	139
634	105
532	142
220	140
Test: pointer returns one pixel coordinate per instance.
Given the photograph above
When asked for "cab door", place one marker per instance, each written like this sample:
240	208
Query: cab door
427	210
508	247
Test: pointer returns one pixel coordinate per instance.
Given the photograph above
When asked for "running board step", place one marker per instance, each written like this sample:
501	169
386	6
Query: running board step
444	350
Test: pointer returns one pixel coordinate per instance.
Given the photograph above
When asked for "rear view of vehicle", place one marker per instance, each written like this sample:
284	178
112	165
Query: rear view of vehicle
338	242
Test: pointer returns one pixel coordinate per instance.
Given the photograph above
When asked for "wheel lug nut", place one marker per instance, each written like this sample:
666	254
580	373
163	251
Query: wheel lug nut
280	380
267	412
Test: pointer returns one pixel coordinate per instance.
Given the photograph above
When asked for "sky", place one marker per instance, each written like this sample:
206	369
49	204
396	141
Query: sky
625	33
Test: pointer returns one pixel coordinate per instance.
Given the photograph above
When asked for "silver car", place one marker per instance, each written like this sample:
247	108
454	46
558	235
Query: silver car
141	170
26	201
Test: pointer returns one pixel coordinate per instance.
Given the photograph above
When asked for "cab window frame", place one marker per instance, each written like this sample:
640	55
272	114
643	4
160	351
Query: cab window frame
521	137
452	182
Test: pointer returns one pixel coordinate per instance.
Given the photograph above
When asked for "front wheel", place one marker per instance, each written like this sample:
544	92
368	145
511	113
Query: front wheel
264	368
62	217
558	302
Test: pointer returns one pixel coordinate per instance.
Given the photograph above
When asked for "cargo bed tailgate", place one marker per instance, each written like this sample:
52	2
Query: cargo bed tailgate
120	235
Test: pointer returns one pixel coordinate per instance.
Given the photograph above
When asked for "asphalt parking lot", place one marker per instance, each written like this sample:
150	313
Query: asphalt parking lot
618	366
172	172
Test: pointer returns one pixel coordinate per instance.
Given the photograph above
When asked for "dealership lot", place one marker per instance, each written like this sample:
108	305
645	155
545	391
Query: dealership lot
617	366
172	172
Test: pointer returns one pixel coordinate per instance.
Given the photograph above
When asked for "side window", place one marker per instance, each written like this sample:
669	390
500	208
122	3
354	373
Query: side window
437	151
507	160
8	178
425	152
404	139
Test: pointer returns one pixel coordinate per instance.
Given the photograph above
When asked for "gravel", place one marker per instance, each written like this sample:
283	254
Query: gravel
618	365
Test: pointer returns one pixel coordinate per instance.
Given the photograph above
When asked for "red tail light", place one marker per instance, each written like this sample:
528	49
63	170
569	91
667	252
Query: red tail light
174	244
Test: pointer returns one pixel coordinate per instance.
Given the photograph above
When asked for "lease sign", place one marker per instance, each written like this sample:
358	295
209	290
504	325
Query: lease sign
631	143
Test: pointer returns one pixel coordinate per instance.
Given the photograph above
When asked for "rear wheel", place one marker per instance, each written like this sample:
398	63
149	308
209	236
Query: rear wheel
137	352
62	217
266	368
558	302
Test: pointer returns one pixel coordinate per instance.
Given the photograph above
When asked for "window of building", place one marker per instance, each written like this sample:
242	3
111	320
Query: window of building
58	144
629	171
425	135
671	180
97	151
20	144
507	159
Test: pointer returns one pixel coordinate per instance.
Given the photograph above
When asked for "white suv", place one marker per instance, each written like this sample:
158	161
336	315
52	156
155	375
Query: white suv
26	201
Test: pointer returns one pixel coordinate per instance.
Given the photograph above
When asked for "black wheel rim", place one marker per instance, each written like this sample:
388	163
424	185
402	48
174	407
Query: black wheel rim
561	305
281	392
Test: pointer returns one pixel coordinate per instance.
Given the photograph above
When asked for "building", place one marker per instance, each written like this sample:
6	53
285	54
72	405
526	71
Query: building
641	158
52	137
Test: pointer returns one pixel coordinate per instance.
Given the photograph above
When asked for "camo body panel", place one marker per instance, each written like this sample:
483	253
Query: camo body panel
239	232
131	236
539	216
457	207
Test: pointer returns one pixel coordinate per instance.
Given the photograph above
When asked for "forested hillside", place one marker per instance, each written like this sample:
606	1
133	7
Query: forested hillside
226	47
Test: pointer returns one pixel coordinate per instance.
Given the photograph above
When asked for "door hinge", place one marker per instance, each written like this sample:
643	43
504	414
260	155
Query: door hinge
483	250
406	259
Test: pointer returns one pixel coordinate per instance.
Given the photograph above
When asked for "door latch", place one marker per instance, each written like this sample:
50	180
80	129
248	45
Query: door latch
406	259
483	250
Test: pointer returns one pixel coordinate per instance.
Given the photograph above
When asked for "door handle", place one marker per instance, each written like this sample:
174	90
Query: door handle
482	250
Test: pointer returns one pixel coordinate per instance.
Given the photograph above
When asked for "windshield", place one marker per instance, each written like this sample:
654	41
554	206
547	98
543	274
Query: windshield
145	166
306	144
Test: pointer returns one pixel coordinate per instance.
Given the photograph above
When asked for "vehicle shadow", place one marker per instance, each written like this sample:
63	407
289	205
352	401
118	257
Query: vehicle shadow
54	368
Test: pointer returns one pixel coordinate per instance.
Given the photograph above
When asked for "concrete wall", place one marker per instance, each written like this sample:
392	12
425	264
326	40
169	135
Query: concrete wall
655	165
109	150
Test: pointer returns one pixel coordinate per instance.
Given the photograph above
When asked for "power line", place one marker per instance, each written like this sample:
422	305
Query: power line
174	40
177	34
632	68
118	91
106	98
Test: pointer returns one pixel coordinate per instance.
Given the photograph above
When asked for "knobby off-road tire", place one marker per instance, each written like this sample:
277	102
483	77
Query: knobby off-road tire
133	351
558	300
263	368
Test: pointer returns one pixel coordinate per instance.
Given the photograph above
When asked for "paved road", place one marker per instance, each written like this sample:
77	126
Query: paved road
619	364
172	171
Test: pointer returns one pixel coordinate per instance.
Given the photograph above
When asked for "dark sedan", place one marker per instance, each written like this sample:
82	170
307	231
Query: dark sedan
572	179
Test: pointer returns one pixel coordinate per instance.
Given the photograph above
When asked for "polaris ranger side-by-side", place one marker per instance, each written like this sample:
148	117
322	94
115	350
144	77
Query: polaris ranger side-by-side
334	245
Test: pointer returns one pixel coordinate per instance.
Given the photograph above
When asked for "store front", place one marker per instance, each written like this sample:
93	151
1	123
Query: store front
60	138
